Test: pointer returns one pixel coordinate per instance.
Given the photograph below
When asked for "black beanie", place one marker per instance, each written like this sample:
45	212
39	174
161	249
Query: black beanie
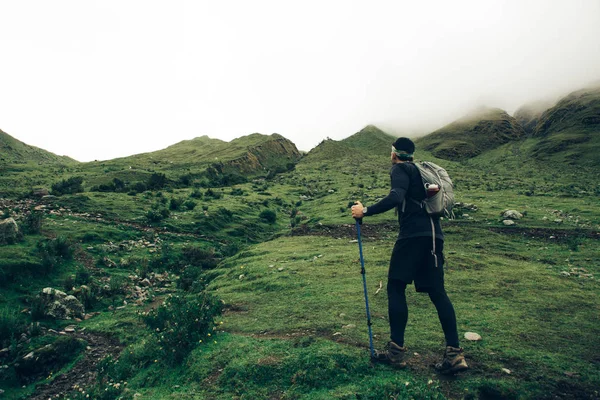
404	144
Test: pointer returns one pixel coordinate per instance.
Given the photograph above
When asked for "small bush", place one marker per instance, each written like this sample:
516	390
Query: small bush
200	257
12	325
157	181
190	204
32	224
175	203
268	215
68	186
181	323
82	276
55	251
196	194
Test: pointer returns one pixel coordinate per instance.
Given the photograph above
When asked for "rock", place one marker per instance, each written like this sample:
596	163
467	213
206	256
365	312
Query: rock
349	326
40	192
70	329
508	222
472	336
59	305
28	356
337	334
558	221
506	371
146	282
241	277
281	268
9	231
512	214
565	273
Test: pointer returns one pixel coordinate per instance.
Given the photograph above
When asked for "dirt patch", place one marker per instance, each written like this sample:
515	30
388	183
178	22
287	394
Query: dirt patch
558	235
377	231
84	373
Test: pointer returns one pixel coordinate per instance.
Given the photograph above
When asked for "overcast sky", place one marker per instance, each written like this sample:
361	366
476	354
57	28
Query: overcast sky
105	79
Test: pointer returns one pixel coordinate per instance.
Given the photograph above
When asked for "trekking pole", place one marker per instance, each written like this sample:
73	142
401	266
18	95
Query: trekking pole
364	278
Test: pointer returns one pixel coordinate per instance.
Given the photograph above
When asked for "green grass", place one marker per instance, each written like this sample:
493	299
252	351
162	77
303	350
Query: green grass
300	332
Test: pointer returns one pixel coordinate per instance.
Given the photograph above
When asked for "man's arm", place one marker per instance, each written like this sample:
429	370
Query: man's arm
400	182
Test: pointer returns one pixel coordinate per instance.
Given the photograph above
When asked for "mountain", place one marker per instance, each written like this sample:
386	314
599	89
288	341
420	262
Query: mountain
248	155
15	151
570	131
371	139
482	130
529	114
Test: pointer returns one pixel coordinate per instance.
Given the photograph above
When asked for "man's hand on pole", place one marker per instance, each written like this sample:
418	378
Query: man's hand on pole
357	210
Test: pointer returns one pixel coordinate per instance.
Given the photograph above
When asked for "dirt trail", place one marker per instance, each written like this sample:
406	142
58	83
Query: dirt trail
84	373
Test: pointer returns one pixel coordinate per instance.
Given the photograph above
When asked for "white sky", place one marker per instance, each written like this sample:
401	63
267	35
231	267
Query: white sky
105	79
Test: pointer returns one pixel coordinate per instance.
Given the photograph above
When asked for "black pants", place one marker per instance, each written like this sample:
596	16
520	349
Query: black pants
411	265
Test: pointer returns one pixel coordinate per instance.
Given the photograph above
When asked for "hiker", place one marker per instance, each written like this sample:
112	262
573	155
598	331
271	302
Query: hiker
413	260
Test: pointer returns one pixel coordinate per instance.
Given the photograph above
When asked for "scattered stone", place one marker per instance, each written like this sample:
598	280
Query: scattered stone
472	336
342	315
571	374
506	371
337	334
508	222
70	329
29	356
241	277
353	241
558	221
565	273
349	326
280	269
271	266
146	282
512	214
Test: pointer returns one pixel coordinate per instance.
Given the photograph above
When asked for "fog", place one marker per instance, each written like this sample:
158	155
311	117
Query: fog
105	79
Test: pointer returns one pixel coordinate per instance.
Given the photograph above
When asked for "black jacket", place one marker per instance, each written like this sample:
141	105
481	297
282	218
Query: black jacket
406	183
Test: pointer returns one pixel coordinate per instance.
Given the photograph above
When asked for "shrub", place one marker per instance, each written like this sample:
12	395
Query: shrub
157	181
68	186
213	194
200	257
196	194
82	276
181	323
175	203
54	251
139	187
190	204
237	192
11	325
32	224
268	215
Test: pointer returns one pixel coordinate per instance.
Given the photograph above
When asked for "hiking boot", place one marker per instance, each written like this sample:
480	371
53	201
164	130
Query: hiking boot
393	355
453	362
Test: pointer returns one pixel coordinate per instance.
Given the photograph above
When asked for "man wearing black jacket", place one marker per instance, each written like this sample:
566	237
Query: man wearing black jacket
413	260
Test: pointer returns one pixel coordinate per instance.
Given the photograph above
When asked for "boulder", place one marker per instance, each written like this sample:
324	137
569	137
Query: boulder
9	231
59	305
508	222
512	214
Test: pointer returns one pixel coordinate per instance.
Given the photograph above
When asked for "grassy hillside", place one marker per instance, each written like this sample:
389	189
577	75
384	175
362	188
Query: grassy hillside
569	132
252	290
528	115
472	135
15	151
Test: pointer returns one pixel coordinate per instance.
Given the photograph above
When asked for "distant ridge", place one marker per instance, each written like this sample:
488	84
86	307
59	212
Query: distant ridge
571	129
529	114
248	155
372	139
15	151
475	133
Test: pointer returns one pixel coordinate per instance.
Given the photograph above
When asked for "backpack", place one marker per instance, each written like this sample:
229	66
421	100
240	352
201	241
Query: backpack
439	189
439	198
